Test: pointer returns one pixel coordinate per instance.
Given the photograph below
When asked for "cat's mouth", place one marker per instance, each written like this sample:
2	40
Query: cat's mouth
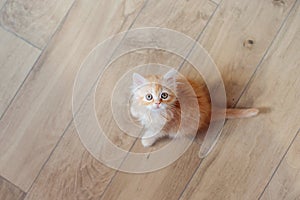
157	108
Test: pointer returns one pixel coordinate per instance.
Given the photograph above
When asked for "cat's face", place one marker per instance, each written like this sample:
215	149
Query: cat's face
155	93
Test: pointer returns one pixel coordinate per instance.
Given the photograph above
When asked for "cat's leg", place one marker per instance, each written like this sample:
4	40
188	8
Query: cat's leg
149	138
148	142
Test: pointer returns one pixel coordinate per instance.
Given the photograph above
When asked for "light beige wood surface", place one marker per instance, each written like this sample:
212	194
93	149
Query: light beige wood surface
114	72
45	99
9	191
36	21
73	168
228	39
216	1
188	17
285	184
71	157
41	153
250	150
2	2
217	35
16	59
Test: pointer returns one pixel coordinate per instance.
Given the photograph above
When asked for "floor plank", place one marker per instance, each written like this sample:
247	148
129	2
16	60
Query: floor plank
161	184
16	59
238	36
216	1
46	96
72	172
9	191
2	2
188	17
224	39
138	57
285	184
36	21
250	150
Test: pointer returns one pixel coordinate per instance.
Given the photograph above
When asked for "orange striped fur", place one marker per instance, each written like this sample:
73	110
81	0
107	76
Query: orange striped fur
153	111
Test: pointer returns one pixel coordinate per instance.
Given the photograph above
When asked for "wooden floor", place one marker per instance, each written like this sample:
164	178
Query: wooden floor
255	45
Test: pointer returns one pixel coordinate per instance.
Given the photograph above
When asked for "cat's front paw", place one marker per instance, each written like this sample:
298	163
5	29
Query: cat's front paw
148	142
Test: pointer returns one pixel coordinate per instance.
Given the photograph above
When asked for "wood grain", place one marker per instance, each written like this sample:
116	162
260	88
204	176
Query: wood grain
161	184
72	173
36	21
2	2
216	1
16	60
223	36
238	36
9	191
250	150
46	96
188	17
114	72
285	184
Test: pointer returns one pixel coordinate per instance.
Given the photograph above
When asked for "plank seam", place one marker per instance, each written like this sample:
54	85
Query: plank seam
190	179
27	75
1	25
33	66
27	41
3	6
51	153
265	54
116	171
20	37
214	2
180	66
19	88
277	167
61	23
198	37
250	80
38	58
71	121
8	181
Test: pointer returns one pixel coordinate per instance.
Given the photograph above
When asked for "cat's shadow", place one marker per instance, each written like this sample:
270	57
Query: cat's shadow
233	98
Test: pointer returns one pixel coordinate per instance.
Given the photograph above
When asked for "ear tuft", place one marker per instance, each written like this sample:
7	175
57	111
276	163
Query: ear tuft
170	78
138	79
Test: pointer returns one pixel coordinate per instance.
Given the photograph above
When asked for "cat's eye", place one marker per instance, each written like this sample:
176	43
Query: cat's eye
164	95
149	97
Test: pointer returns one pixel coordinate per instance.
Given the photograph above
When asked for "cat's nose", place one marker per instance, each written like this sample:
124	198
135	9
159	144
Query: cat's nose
157	104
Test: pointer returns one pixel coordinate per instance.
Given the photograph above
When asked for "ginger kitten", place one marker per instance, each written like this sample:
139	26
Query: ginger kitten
155	105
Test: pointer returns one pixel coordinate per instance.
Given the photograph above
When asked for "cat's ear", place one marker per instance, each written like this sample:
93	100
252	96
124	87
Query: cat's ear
170	79
138	80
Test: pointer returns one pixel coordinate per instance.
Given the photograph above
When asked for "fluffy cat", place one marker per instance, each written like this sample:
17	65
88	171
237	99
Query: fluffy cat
155	105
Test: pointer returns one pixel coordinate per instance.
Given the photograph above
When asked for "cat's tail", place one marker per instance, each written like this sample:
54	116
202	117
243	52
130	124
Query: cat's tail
233	113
